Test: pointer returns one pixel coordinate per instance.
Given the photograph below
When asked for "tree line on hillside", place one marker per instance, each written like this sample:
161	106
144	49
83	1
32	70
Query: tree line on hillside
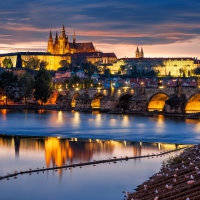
35	64
17	88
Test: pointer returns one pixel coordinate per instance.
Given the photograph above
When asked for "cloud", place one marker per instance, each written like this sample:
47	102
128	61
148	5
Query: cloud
107	23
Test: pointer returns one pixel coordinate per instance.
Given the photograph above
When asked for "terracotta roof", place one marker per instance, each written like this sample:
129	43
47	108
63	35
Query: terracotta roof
87	46
109	55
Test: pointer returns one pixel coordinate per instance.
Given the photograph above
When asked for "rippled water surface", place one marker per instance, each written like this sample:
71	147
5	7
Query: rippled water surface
100	126
72	137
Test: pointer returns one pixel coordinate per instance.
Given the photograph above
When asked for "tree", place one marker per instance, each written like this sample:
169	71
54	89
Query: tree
122	68
188	73
180	71
43	64
107	72
119	72
8	85
74	82
152	73
196	71
89	68
32	63
86	83
25	86
64	64
7	62
43	86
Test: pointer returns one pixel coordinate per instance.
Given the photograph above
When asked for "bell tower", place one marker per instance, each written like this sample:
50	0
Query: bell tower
56	44
63	42
141	54
50	43
137	53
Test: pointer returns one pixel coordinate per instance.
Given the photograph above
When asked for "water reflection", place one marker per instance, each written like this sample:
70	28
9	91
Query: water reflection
3	113
58	151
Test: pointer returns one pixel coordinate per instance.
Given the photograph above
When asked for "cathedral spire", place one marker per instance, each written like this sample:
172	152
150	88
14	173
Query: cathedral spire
137	53
50	35
56	38
63	28
137	50
63	31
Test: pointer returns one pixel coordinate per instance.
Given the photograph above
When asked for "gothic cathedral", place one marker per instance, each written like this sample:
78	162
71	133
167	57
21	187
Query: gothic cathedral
139	54
61	45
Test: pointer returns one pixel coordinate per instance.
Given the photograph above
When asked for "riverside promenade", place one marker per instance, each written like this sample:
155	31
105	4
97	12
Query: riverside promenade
179	178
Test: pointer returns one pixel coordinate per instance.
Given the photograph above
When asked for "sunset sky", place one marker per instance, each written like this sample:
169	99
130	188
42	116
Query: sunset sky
163	28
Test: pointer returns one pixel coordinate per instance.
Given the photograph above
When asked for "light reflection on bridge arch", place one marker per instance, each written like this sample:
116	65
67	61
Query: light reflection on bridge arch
157	102
96	101
193	104
73	102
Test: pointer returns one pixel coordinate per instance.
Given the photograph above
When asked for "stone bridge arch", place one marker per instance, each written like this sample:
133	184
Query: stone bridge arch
123	100
157	101
96	100
193	104
73	101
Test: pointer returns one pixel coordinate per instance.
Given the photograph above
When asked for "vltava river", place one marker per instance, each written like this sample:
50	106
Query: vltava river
99	126
71	137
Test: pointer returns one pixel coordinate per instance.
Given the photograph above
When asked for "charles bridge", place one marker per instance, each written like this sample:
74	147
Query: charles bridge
133	99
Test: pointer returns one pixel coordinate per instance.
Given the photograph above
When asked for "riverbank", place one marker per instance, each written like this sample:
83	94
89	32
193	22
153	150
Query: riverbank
179	178
57	108
30	106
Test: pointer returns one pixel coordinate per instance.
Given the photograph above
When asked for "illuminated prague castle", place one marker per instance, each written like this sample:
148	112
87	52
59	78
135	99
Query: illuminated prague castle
61	49
61	44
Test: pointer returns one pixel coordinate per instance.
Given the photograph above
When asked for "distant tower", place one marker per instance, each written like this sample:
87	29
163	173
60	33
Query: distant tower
50	43
141	54
56	43
63	41
74	38
137	53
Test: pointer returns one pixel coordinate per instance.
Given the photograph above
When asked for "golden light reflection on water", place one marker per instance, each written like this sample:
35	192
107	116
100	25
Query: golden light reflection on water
113	122
98	120
60	117
3	112
63	151
160	124
76	119
125	120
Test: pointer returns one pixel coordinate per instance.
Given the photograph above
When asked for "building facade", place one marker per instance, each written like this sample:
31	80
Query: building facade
19	59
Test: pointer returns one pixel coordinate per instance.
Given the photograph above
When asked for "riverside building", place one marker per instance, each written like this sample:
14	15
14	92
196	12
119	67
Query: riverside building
165	66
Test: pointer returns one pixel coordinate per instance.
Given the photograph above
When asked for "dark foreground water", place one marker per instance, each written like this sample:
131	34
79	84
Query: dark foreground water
71	137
